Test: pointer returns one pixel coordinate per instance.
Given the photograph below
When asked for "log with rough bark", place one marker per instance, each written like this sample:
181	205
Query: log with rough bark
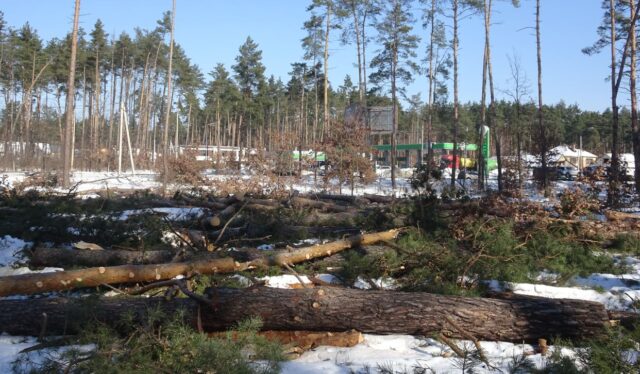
72	258
320	219
329	309
91	277
613	215
300	202
382	199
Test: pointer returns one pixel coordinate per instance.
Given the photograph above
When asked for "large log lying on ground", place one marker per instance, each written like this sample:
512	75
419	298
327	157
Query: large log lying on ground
91	277
330	309
72	257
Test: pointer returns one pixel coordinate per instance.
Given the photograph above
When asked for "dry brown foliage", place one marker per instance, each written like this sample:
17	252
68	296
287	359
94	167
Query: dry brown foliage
185	169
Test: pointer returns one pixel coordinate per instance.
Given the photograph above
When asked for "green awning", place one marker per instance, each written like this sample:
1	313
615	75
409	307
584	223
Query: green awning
320	156
449	146
418	146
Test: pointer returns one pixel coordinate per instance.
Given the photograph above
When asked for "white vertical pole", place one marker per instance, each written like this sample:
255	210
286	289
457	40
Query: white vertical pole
120	139
126	127
580	163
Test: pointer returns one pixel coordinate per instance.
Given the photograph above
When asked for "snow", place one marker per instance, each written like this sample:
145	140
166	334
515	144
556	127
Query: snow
172	214
10	250
6	271
266	247
329	278
404	353
10	347
384	283
284	281
614	291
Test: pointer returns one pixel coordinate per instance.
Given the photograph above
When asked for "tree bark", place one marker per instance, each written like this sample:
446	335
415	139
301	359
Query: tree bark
92	277
542	131
456	115
614	177
635	132
329	309
67	149
73	258
167	110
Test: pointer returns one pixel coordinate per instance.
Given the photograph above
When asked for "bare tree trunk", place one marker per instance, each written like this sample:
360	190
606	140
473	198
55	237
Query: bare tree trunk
543	146
431	85
327	124
612	193
113	99
456	116
483	112
394	115
492	105
67	149
356	25
635	132
167	109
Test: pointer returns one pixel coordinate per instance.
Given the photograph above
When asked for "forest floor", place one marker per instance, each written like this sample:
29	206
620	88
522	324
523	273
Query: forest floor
88	215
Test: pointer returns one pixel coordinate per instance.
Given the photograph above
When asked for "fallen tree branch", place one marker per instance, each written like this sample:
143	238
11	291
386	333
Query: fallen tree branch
65	280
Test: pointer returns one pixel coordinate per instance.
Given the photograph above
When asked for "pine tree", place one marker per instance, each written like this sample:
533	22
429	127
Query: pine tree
394	62
249	75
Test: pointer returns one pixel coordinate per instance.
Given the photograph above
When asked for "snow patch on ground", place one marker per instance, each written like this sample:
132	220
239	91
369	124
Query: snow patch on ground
7	271
10	347
404	353
285	281
10	250
172	214
384	283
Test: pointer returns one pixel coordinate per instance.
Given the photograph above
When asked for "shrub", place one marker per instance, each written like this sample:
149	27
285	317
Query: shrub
159	346
185	169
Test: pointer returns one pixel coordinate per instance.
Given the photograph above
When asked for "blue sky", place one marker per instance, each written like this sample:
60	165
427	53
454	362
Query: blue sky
212	30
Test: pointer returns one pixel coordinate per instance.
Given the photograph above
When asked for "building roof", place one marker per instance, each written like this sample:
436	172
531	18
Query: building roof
566	151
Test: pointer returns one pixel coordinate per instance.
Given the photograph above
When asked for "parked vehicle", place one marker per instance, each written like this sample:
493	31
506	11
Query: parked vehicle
567	172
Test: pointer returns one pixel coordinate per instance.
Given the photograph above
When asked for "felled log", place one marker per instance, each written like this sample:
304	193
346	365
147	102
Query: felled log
96	276
379	198
331	309
73	258
303	231
345	198
300	202
620	216
324	219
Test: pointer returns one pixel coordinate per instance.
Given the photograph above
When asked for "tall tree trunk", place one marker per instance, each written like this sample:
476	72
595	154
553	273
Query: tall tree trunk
67	149
482	173
96	111
356	25
456	117
492	106
394	114
113	100
612	193
82	119
432	18
327	125
167	109
635	132
542	141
